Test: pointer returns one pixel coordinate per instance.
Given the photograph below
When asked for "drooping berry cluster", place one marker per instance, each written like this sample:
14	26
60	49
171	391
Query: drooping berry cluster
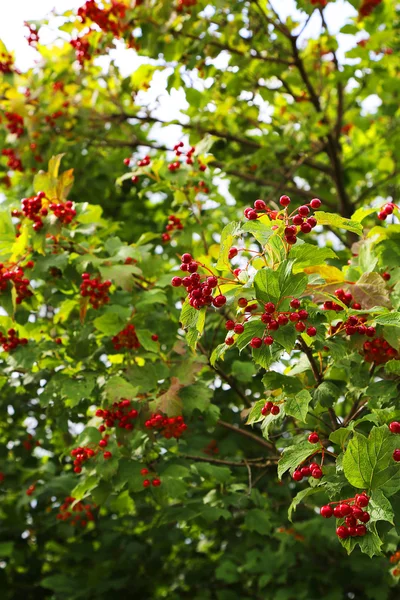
30	490
174	224
13	162
395	560
155	482
312	470
169	427
321	3
16	276
6	63
79	514
80	456
121	415
200	292
144	162
270	408
345	297
351	510
105	19
126	338
386	210
367	7
189	157
378	351
82	48
299	221
32	208
11	340
15	123
64	211
353	325
182	4
95	289
33	36
211	448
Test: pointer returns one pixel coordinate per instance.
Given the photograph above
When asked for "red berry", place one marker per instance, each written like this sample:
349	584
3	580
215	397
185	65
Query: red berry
345	509
232	252
295	303
388	209
386	276
268	340
396	455
103	443
146	483
239	328
156	482
351	521
275	410
294	317
251	215
316	473
305	228
311	331
144	471
154	337
337	512
284	200
229	341
303	315
219	301
361	500
260	205
242	302
313	438
298	220
303	211
326	511
394	427
315	203
361	530
300	327
357	512
176	281
297	476
186	258
107	455
365	517
312	221
342	532
282	320
229	325
305	471
269	307
256	342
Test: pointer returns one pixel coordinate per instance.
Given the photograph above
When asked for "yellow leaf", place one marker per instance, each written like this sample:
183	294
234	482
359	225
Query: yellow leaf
330	274
21	244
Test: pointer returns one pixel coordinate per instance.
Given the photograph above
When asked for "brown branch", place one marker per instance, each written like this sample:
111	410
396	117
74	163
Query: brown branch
230	463
248	434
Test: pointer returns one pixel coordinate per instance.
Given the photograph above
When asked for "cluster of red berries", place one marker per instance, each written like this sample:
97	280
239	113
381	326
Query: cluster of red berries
33	35
211	448
312	470
182	4
395	560
105	19
296	222
95	289
6	63
169	427
126	338
201	187
352	511
345	297
13	162
30	490
386	210
353	325
16	276
378	351
51	119
321	3
395	428
64	211
155	482
81	455
367	7
15	123
174	224
79	514
81	46
32	208
121	415
200	292
11	341
144	162
270	408
178	148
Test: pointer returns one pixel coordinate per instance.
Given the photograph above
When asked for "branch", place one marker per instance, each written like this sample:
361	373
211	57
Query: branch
230	463
248	434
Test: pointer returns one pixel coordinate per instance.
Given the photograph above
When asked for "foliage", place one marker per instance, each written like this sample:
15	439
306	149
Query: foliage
193	411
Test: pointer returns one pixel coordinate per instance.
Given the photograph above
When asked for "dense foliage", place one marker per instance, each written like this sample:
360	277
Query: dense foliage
199	337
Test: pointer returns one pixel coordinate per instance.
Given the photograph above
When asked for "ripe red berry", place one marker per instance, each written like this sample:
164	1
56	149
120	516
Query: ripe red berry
361	530
305	471
382	216
229	341
313	438
345	509
326	511
298	220
282	320
268	340
256	342
303	211
144	471
337	512
239	328
251	215
107	455
315	203
357	512
176	281
351	521
156	482
316	473
311	331
305	227
269	307
388	209
297	476
146	483
103	443
275	410
229	325
386	276
186	258
232	252
242	302
365	517
300	327
284	200
295	303
312	221
303	315
396	455
361	500
394	427
260	205
342	532
219	301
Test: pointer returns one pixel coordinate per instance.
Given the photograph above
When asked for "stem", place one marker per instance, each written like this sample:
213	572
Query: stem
248	434
229	463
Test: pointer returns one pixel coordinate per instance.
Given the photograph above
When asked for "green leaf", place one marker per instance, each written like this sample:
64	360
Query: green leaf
84	487
340	436
297	406
293	456
227	238
243	371
390	319
255	413
220	474
257	520
368	462
393	367
194	397
109	323
144	337
334	220
299	497
326	393
253	328
117	388
307	255
76	390
370	291
380	508
260	231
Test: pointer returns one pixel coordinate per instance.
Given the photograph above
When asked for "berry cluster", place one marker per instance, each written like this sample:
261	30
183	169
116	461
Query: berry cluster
33	35
15	123
312	470
174	224
353	325
106	19
351	510
81	455
182	4
13	162
295	222
155	482
11	341
395	560
64	211
81	46
345	297
144	162
121	415
79	514
6	63
270	408
200	292
211	448
169	427
126	338
95	289
51	119
189	157
378	351
16	276
321	3
367	7
33	209
386	210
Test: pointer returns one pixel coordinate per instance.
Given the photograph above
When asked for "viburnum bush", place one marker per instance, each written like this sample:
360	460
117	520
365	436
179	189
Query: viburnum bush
200	329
